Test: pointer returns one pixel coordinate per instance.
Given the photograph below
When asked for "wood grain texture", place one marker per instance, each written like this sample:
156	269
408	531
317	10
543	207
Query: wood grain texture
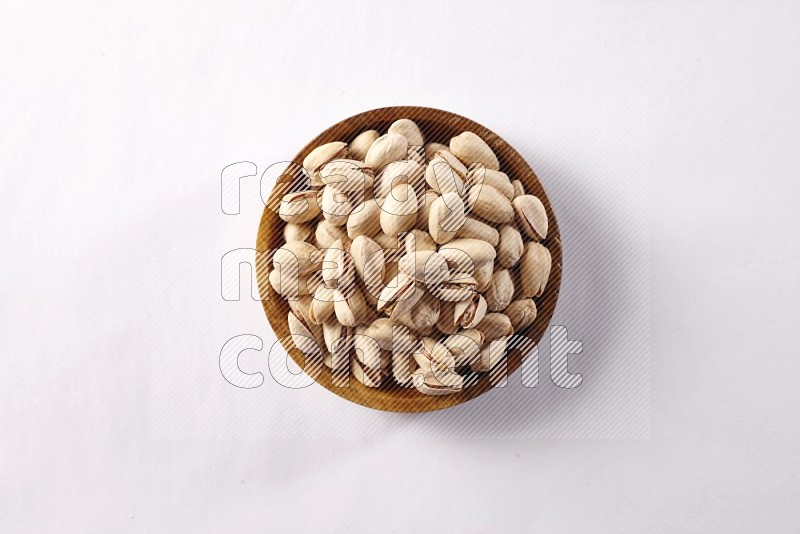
438	126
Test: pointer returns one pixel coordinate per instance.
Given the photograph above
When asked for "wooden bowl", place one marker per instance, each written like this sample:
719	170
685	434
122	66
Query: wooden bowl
438	126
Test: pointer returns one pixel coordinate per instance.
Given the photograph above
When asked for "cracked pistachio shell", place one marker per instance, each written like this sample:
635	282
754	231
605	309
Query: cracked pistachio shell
403	365
297	232
301	307
534	268
397	173
531	216
510	248
500	291
347	175
337	265
425	266
446	323
369	377
365	219
359	146
350	308
475	229
418	240
465	346
386	149
421	317
432	148
337	205
446	217
408	129
297	258
322	155
521	313
380	330
425	210
289	286
327	233
299	207
399	210
495	325
469	313
322	305
368	352
470	149
498	180
489	204
457	287
445	174
369	262
491	354
470	256
308	337
339	341
519	189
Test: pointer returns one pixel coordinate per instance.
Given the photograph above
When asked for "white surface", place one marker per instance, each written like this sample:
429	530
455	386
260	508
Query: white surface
118	120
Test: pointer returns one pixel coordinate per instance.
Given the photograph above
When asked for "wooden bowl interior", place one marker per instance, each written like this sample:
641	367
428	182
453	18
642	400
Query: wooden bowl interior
437	126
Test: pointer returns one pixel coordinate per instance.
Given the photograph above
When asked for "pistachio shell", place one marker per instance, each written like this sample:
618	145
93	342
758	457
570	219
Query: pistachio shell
386	149
289	286
350	309
475	229
478	174
297	232
488	203
519	189
495	325
337	265
521	313
470	148
465	346
380	330
327	233
347	175
425	209
299	207
418	240
368	352
297	258
408	129
510	247
446	323
531	216
396	173
534	269
491	354
359	146
369	377
457	287
402	367
445	174
308	338
432	148
500	291
365	220
446	217
469	313
322	155
426	266
399	210
368	260
421	317
322	305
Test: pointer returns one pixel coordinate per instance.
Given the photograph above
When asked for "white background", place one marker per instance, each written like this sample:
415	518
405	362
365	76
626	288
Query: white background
117	120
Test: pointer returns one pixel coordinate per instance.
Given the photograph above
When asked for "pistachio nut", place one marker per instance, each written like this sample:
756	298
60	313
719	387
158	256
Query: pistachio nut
475	229
365	219
402	367
396	173
399	210
432	148
445	174
322	155
297	258
339	342
368	260
419	240
369	377
386	149
531	216
338	270
359	146
491	354
510	247
337	205
478	174
421	317
299	207
289	286
307	337
470	312
470	256
423	215
500	291
322	304
368	352
457	287
425	266
408	129
470	149
347	175
495	325
465	346
297	232
327	233
534	269
519	189
446	217
488	203
521	313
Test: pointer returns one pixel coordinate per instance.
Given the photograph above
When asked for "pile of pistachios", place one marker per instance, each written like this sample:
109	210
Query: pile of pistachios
414	260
